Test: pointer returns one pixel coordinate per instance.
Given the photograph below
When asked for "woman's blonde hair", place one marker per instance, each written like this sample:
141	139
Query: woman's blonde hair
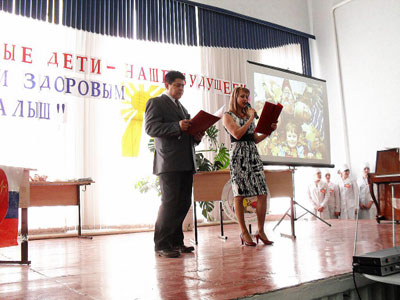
233	107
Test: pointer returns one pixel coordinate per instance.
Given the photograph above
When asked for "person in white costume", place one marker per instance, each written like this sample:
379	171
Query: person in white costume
348	190
367	206
333	197
318	196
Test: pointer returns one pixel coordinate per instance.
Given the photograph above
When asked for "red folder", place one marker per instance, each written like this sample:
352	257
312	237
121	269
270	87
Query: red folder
202	121
269	115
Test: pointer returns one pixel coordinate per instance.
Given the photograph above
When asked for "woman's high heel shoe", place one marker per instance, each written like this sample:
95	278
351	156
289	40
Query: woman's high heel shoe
266	242
252	244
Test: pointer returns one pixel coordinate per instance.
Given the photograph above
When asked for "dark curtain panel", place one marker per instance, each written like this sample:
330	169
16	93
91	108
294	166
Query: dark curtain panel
167	21
221	30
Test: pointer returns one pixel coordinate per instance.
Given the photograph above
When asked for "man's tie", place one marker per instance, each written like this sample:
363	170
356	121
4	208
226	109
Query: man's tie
178	103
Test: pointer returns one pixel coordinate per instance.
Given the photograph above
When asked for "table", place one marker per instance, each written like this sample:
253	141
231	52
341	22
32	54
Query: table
390	279
207	186
58	193
45	193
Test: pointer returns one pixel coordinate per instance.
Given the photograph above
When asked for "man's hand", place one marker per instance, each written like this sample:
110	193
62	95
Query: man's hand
184	125
274	126
321	209
337	213
199	136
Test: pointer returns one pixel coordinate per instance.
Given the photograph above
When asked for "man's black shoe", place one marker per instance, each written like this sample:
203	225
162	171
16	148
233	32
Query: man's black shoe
168	253
184	249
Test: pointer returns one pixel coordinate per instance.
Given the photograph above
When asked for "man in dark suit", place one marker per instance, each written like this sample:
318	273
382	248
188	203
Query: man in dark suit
174	162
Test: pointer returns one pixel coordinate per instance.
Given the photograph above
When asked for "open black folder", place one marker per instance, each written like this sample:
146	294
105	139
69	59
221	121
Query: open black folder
204	120
269	115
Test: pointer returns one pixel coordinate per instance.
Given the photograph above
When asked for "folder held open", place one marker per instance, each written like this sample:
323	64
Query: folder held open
269	115
204	120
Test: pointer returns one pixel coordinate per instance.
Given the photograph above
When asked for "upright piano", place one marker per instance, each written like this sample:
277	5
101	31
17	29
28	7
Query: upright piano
387	174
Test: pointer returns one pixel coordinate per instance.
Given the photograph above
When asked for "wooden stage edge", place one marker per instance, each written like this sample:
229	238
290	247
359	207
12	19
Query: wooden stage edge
317	264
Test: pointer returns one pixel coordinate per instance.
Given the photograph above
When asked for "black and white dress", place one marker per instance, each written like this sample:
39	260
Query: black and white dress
247	172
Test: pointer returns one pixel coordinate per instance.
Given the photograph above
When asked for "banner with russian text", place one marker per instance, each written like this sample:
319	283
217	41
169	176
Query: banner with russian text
48	82
75	102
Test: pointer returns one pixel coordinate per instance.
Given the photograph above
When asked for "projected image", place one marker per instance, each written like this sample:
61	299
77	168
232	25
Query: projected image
302	128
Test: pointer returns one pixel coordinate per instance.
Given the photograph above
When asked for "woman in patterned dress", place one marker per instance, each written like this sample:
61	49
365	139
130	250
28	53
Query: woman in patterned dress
246	168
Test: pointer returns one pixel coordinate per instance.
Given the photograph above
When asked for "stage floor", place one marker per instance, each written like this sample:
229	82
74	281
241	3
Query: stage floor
125	266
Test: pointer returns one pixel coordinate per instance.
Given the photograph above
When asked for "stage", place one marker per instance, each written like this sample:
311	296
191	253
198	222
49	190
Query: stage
124	266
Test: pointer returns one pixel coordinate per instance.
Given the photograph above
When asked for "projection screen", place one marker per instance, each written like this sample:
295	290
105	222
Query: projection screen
302	137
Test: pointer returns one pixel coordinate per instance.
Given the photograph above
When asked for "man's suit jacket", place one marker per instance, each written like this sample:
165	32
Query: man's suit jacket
174	150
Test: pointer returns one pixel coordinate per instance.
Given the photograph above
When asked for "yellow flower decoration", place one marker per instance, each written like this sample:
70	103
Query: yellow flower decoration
133	115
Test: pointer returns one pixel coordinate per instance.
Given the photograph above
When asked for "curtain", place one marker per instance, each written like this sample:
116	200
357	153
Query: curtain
35	134
114	201
232	63
85	134
109	17
220	28
166	21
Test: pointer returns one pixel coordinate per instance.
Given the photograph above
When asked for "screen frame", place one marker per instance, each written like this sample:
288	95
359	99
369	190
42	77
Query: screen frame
291	75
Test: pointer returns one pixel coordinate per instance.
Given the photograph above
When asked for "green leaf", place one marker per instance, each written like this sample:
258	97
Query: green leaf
151	146
157	185
212	136
217	166
222	158
207	207
221	161
203	164
143	185
147	183
212	132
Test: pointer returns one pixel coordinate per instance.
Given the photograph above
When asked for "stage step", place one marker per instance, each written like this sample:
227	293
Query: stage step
335	288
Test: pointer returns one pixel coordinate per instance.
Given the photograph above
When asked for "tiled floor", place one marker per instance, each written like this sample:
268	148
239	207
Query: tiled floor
125	266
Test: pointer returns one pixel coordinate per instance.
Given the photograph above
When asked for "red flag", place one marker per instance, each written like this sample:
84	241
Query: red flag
3	195
9	203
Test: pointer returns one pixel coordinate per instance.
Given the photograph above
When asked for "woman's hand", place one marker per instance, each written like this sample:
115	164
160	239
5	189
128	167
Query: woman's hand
251	111
274	126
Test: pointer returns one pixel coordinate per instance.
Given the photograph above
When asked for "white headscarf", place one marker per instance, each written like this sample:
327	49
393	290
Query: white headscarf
366	165
344	167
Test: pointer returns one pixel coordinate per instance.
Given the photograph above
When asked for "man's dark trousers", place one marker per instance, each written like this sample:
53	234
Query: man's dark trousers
176	197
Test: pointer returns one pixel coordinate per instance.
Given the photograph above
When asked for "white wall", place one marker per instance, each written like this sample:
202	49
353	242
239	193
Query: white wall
293	14
289	13
324	66
369	50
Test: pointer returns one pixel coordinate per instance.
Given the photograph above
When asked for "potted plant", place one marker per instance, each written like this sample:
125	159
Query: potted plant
220	161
